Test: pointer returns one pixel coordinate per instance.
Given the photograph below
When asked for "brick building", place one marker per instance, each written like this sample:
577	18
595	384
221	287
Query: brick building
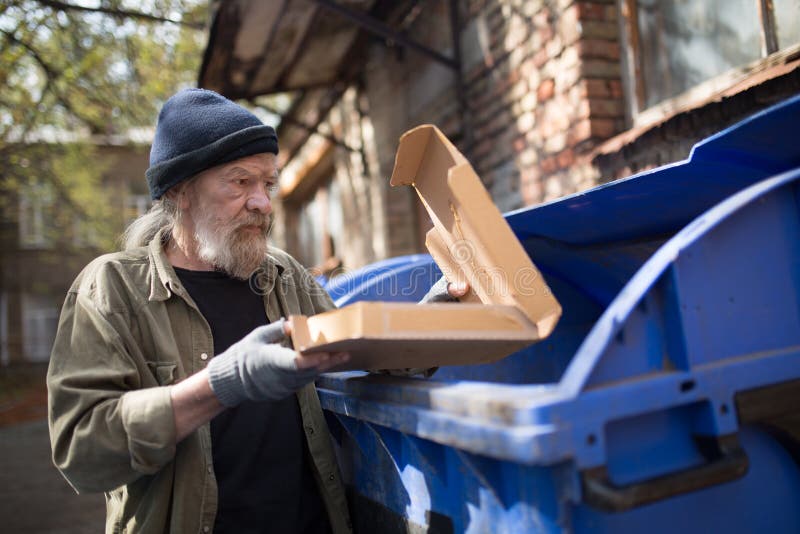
544	97
44	242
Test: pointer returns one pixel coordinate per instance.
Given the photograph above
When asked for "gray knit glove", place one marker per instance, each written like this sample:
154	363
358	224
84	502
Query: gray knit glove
257	368
438	293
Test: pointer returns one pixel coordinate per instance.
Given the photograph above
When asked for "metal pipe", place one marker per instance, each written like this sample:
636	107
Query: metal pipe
461	91
307	127
379	28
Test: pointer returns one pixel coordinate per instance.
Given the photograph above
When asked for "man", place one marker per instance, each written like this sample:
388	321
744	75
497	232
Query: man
172	387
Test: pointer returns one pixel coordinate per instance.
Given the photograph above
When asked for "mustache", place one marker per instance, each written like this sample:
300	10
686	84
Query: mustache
255	219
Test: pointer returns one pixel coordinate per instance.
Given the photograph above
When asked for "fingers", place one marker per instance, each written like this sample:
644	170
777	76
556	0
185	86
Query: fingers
287	327
437	292
457	289
321	361
271	333
334	360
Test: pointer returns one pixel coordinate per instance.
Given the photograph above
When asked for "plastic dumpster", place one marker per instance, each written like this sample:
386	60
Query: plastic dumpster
667	399
403	279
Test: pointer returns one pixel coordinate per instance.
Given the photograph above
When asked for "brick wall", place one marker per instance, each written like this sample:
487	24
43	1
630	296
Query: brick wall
545	90
546	104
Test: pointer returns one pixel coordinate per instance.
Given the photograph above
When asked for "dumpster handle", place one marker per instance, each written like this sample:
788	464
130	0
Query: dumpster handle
728	462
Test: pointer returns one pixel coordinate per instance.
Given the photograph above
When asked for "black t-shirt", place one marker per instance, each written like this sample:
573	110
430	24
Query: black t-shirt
260	454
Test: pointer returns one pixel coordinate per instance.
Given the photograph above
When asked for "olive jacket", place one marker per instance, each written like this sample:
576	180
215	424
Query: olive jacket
128	329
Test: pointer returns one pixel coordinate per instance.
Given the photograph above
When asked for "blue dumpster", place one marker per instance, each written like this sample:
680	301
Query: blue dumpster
401	279
666	400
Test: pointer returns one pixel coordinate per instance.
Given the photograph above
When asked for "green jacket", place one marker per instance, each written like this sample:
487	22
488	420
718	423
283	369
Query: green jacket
128	329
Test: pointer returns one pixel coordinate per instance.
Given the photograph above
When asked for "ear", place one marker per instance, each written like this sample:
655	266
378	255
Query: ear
179	195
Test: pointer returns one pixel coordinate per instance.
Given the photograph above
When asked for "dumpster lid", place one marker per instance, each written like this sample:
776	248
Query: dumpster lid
655	202
470	240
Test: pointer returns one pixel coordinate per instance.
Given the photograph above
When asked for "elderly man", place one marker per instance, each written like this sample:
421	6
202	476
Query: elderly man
172	387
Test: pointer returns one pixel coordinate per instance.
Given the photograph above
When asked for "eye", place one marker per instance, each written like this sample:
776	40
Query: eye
272	187
241	181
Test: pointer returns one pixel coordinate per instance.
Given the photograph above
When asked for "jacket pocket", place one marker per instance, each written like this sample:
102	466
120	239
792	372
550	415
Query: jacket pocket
163	372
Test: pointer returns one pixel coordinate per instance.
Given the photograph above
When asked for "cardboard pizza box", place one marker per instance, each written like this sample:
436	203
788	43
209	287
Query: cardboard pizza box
508	307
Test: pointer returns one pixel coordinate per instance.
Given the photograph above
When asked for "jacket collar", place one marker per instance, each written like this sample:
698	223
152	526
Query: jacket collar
164	281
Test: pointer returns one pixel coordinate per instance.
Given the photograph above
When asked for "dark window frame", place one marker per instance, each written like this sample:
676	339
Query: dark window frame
638	114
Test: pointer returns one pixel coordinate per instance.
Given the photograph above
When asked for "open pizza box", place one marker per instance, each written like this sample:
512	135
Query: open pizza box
508	307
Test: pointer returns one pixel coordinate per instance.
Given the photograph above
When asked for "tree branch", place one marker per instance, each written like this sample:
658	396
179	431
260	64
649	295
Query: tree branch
51	75
30	121
49	71
63	6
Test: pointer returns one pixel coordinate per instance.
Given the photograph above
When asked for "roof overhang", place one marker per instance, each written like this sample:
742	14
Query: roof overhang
259	48
311	49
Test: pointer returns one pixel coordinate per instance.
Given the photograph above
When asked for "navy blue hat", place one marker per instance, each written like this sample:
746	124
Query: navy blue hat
198	129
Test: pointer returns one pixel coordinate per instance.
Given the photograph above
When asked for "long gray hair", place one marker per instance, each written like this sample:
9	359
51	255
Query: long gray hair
162	215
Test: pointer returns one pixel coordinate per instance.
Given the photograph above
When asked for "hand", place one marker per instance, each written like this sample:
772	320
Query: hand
444	291
257	368
321	360
457	289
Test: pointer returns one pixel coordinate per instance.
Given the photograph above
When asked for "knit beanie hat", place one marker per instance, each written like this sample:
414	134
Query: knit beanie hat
198	129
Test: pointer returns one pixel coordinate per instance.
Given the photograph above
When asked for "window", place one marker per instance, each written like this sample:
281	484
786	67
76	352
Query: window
315	227
39	323
36	202
309	230
313	208
136	206
678	45
5	357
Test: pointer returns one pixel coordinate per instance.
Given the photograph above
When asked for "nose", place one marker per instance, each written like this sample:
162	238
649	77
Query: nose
259	201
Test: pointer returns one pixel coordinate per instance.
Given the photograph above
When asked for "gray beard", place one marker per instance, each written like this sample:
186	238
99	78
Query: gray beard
228	247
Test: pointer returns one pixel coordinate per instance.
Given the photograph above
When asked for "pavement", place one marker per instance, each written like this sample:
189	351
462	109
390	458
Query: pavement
34	497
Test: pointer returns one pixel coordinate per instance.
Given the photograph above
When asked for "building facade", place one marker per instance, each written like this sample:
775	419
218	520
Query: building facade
546	98
46	238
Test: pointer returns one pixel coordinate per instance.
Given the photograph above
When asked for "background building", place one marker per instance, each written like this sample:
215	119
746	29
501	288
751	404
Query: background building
46	239
545	98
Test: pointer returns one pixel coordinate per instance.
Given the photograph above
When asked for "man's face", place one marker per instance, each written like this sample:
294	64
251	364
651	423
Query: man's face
229	212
